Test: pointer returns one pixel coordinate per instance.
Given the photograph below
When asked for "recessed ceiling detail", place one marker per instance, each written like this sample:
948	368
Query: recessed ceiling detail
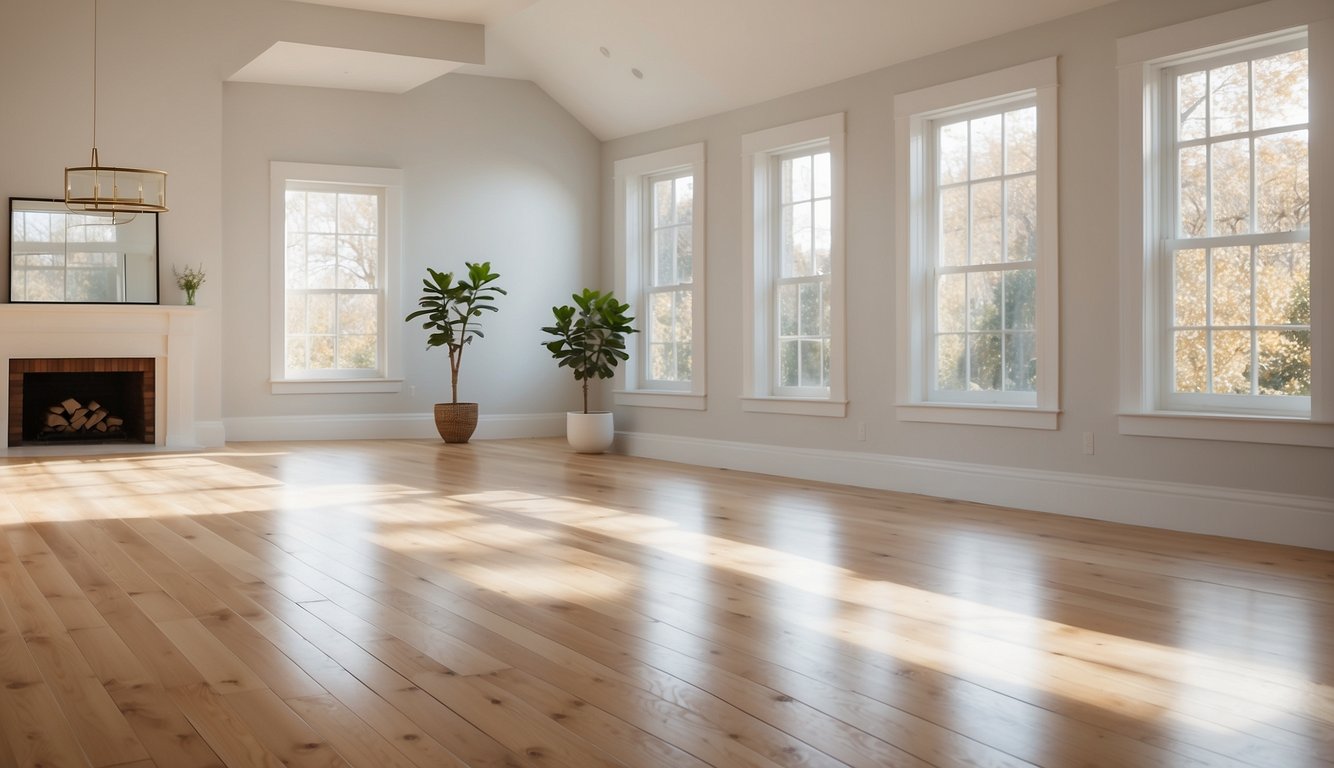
319	66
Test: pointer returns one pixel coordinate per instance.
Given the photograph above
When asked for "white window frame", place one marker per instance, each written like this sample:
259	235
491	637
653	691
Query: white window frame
916	113
1141	61
633	263
759	268
388	180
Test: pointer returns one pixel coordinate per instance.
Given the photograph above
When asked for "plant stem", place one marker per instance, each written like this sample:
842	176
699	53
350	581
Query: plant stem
585	396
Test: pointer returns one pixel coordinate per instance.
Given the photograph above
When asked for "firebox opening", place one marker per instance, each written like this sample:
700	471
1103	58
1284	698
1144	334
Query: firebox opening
83	407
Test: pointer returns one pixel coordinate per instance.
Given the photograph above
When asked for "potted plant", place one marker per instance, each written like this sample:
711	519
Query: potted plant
450	307
590	341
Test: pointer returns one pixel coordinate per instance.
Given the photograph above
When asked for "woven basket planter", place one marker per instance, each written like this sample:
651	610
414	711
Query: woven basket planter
455	421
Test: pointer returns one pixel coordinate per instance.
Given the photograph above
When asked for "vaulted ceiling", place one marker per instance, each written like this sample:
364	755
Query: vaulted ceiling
626	66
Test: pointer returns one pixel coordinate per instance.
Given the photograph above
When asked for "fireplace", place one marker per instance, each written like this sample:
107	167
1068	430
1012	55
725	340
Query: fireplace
89	400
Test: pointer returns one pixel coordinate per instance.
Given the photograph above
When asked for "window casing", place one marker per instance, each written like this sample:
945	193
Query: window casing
335	255
794	275
1225	269
659	223
977	266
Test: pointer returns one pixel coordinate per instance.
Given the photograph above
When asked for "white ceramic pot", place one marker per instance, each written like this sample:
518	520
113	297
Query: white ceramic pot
589	432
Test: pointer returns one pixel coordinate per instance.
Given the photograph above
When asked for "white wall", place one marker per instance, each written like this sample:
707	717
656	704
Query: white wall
1089	319
494	171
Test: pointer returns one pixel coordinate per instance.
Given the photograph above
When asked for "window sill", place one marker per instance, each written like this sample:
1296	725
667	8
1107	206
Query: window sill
334	386
645	398
1021	417
796	406
1273	430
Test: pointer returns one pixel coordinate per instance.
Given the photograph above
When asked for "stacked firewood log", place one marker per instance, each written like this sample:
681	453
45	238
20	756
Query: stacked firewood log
73	416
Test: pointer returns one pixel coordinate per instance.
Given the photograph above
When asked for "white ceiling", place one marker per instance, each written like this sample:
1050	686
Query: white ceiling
702	57
320	66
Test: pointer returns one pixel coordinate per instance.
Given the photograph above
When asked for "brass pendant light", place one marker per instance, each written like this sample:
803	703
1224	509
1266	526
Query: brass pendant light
110	189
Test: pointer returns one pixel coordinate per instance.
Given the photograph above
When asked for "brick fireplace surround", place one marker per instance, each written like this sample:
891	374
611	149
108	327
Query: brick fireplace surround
163	334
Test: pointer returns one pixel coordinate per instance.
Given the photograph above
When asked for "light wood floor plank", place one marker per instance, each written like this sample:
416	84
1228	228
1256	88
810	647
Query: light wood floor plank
508	603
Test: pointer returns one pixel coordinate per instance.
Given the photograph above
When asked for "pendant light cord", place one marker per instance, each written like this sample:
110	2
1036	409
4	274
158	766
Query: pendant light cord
94	82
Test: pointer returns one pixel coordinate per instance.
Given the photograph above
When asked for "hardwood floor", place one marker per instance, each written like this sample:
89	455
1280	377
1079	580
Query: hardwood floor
508	603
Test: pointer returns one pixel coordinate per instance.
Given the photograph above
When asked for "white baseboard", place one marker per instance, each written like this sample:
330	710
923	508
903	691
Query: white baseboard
381	426
1305	521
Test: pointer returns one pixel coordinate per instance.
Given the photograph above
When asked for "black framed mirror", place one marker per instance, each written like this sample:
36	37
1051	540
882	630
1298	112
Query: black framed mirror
59	256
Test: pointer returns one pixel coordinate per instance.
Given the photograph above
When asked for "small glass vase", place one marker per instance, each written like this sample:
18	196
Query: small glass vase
190	296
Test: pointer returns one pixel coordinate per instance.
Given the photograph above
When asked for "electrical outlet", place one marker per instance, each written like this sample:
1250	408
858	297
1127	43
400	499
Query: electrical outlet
861	431
1088	443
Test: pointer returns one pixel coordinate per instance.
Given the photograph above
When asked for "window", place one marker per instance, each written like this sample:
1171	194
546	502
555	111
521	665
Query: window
335	244
977	257
793	308
1236	242
660	266
1221	237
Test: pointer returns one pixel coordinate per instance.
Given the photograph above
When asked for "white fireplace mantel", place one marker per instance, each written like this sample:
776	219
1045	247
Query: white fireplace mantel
165	333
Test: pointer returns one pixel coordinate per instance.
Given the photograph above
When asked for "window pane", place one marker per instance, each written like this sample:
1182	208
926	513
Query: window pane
358	214
1230	189
1283	192
809	299
662	203
356	352
1285	363
950	362
1021	363
986	148
664	256
1191	106
661	361
986	223
660	325
320	313
797	179
954	227
321	212
685	199
295	312
984	297
1232	362
1020	299
1283	285
812	363
1232	286
296	353
1188	287
1021	218
787	310
358	261
1192	203
1191	361
685	253
684	320
358	313
296	211
1281	90
787	363
822	237
1021	140
321	352
797	240
822	183
953	151
321	259
1229	100
950	303
984	361
296	261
